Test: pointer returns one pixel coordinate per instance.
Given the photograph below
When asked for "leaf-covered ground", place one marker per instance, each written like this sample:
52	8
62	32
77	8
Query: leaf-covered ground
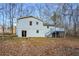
39	46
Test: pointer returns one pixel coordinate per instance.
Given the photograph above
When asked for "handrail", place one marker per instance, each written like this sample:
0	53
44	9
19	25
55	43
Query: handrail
49	32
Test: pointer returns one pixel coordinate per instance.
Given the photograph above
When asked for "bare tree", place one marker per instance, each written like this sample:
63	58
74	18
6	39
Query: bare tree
2	13
11	14
75	20
54	18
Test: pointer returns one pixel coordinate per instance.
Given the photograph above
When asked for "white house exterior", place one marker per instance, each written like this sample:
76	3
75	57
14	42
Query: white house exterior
32	27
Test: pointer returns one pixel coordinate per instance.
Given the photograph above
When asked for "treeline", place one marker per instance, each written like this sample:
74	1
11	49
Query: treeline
66	16
63	15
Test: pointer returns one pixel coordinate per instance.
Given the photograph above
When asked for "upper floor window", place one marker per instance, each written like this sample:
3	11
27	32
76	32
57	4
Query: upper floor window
30	23
37	23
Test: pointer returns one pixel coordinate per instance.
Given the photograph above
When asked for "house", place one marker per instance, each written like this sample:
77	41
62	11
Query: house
33	27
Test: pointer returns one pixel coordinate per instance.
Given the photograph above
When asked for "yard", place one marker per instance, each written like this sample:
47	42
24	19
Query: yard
39	46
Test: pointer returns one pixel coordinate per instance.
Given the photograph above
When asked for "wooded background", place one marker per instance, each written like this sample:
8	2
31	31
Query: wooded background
64	15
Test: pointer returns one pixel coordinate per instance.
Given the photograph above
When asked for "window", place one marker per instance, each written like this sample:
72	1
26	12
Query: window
47	26
24	33
37	31
30	23
37	23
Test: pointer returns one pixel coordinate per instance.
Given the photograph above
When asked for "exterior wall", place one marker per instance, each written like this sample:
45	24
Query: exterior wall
31	30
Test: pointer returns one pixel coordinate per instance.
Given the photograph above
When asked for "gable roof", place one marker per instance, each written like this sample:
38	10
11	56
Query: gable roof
44	23
29	17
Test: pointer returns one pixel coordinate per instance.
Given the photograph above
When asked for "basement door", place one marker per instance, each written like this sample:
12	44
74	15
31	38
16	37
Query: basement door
24	33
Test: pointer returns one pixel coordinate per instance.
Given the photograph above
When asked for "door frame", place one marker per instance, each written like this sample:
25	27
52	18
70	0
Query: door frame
25	33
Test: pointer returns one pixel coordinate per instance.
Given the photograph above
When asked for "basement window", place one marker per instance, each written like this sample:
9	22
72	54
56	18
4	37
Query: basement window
37	31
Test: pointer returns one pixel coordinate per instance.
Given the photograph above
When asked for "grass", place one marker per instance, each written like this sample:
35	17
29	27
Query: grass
39	46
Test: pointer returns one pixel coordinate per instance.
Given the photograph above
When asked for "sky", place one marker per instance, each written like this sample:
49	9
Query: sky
29	9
